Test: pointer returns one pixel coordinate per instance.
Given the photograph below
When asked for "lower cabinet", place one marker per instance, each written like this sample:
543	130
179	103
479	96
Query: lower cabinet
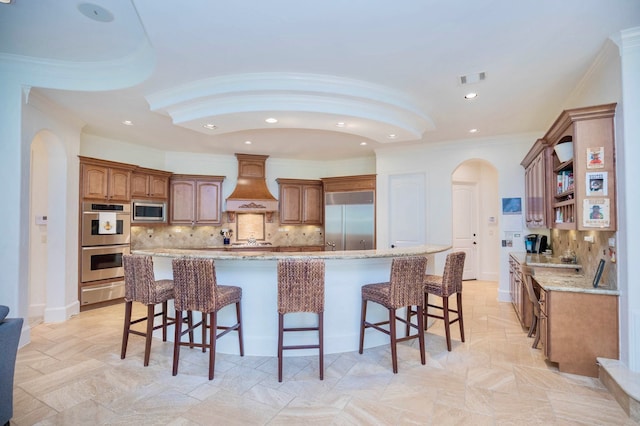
521	303
576	328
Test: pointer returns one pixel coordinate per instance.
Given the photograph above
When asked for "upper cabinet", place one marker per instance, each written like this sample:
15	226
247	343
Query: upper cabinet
535	178
300	201
195	200
582	169
150	184
105	180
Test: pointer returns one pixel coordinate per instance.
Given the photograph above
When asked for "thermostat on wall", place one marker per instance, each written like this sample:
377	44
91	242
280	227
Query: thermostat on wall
41	219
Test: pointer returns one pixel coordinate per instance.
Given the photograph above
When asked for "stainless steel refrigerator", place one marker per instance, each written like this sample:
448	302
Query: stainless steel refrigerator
349	220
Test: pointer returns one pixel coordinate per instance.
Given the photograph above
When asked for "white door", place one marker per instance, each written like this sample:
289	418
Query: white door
465	226
407	210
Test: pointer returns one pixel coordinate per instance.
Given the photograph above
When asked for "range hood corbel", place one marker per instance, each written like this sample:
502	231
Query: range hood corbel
251	194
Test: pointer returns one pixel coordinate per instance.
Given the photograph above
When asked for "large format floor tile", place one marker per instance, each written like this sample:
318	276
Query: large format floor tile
71	374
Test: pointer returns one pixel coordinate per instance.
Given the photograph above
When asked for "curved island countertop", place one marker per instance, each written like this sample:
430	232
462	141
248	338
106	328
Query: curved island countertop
256	273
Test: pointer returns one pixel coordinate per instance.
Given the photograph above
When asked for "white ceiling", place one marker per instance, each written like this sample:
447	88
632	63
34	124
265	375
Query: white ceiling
379	66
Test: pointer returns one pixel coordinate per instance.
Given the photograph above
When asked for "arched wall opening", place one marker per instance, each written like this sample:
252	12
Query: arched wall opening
47	229
475	211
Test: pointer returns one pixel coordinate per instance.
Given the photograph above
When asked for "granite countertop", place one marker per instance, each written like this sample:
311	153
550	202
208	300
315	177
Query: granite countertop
217	253
558	281
542	261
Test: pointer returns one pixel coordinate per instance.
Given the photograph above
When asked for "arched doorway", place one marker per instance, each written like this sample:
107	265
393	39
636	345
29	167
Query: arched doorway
475	209
48	266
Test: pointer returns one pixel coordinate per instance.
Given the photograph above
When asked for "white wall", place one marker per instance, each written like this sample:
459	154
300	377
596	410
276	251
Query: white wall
438	162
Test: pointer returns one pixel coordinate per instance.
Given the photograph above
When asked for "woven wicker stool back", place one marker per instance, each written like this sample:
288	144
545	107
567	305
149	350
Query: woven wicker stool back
300	289
141	286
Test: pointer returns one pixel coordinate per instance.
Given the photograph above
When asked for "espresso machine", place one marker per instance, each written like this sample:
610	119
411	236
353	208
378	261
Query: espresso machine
535	243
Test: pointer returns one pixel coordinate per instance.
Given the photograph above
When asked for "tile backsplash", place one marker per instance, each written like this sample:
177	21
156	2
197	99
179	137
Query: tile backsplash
155	236
589	253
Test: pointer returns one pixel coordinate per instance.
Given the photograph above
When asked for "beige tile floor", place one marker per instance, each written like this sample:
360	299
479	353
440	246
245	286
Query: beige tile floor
71	374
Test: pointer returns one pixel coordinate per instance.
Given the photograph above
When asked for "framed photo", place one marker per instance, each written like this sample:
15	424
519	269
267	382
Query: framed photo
595	213
595	158
596	184
598	275
511	206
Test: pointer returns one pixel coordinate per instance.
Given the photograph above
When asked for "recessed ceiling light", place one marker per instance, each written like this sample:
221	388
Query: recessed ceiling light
247	142
340	124
271	120
473	131
363	143
470	95
127	123
392	136
210	126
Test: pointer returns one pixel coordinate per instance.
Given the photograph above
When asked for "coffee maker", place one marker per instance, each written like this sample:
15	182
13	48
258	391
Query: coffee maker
535	243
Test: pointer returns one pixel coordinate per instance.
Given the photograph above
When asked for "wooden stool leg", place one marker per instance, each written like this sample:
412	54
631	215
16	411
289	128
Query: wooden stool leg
532	328
164	321
537	339
204	332
445	314
149	334
321	343
127	326
280	339
362	321
426	309
176	342
239	318
459	299
392	332
213	327
421	334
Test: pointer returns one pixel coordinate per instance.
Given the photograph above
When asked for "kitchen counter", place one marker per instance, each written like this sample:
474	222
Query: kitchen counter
256	273
254	253
553	274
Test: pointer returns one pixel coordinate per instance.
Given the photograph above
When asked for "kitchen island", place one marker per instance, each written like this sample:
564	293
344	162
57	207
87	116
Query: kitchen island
256	273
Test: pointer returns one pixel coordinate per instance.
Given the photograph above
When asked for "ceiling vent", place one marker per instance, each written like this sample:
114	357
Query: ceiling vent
473	78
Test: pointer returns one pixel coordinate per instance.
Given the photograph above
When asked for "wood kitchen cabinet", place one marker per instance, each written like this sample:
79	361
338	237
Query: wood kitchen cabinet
105	180
150	184
535	178
195	200
577	327
588	179
300	201
519	298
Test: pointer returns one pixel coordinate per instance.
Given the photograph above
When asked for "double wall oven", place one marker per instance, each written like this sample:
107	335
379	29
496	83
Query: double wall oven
105	236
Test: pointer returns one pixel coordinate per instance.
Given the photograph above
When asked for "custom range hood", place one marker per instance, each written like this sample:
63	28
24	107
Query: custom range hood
251	194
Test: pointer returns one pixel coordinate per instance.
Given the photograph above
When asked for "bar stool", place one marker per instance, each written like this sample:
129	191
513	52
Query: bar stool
446	285
300	289
404	289
141	286
196	289
527	273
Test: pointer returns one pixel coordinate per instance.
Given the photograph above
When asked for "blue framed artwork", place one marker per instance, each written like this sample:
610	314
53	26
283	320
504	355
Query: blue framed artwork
511	206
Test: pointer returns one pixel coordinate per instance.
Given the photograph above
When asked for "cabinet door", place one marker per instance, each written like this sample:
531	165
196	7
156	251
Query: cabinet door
119	185
158	186
290	203
95	181
312	204
535	193
208	202
139	185
182	210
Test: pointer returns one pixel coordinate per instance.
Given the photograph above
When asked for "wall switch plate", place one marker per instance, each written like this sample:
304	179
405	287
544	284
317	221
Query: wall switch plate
588	238
612	242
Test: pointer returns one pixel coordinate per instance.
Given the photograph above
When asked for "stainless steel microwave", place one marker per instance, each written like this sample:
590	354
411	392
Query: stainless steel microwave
148	211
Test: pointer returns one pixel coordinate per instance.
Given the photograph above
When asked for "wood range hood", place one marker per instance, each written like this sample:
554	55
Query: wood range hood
251	194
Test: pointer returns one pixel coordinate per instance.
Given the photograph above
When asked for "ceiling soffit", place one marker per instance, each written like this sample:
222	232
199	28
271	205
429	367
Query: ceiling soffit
241	102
